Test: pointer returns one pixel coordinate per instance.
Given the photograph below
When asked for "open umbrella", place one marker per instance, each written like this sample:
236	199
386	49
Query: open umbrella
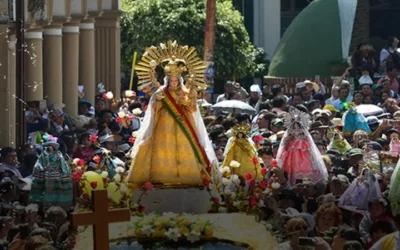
369	109
234	107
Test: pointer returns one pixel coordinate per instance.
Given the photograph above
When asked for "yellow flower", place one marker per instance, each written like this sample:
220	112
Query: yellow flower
208	231
159	233
184	230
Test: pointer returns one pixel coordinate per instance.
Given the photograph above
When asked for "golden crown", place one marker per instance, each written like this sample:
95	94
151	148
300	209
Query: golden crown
175	67
241	128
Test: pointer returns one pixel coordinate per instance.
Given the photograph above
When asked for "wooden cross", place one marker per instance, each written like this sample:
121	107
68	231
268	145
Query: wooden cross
100	217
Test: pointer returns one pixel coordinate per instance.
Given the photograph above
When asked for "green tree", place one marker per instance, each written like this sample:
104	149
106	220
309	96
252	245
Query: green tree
149	22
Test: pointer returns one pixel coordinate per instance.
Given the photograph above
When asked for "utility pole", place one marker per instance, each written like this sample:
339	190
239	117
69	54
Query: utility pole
209	41
210	30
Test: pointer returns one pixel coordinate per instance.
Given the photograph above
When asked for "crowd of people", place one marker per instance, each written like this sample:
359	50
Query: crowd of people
337	173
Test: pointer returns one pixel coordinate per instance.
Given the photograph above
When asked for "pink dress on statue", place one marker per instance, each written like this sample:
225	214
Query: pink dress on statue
296	159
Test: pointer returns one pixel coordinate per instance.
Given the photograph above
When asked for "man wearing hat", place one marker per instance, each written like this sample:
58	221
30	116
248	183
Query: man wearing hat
84	108
277	125
255	96
228	88
373	123
355	156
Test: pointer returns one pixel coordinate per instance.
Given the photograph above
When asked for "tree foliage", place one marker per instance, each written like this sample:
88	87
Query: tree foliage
149	22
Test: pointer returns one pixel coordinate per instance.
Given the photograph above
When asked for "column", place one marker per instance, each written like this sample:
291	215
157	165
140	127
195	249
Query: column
267	25
70	61
34	65
52	65
108	53
87	65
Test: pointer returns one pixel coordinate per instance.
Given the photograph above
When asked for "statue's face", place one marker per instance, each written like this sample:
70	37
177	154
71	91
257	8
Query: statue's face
173	82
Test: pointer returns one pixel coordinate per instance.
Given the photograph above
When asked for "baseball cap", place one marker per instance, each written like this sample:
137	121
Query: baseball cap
354	152
330	107
374	145
342	178
277	122
372	120
376	86
300	85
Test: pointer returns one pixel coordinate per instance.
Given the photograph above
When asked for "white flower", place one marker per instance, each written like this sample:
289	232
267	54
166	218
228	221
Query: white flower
234	164
227	191
120	170
123	188
109	95
117	178
172	223
222	209
260	203
236	203
266	191
121	114
225	170
269	226
104	174
193	236
78	168
147	230
173	234
235	179
129	93
137	111
75	161
275	185
225	181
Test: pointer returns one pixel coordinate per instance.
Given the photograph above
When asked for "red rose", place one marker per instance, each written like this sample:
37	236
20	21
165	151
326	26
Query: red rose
96	159
93	138
215	200
274	163
80	162
76	176
263	184
248	176
131	140
85	196
206	181
148	185
254	160
251	182
93	184
119	120
253	201
258	138
264	171
140	208
105	96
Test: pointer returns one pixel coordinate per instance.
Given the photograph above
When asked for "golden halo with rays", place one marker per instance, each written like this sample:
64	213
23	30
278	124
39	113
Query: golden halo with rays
168	56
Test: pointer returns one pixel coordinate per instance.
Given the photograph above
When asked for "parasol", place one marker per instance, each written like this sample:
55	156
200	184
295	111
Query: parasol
369	109
234	107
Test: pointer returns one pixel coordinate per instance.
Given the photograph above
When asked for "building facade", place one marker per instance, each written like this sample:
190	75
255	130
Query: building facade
66	43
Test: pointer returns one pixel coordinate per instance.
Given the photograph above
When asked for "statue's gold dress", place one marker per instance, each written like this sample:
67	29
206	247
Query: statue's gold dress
167	157
242	151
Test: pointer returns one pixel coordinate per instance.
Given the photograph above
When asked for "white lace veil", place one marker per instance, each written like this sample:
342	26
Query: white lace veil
303	120
146	130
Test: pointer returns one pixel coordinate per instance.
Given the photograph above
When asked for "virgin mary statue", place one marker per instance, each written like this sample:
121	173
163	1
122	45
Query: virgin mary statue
172	148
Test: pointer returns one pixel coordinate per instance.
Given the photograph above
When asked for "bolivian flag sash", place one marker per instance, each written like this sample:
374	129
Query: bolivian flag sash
180	117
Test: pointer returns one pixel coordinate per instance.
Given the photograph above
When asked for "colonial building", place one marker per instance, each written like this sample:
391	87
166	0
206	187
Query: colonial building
65	43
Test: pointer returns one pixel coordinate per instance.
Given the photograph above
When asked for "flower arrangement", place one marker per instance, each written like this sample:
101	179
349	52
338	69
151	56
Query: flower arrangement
92	177
124	119
244	193
173	227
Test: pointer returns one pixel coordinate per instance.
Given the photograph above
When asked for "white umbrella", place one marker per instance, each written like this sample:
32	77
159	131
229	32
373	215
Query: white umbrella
234	107
370	109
